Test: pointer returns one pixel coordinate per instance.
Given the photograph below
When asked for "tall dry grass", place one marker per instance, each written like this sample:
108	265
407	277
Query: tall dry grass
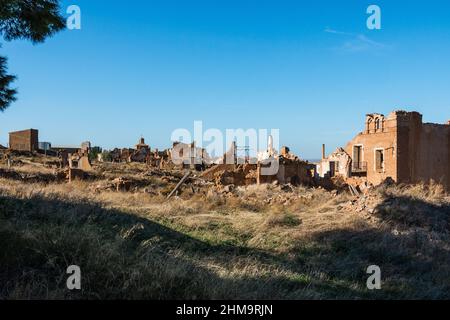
257	242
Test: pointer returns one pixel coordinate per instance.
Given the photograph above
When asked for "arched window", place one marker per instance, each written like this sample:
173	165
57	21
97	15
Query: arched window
369	122
377	124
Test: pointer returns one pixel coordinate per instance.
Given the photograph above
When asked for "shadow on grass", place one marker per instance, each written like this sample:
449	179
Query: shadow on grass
411	246
407	212
124	256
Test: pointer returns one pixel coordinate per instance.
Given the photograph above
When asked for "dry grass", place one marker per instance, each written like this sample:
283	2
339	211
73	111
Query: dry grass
257	242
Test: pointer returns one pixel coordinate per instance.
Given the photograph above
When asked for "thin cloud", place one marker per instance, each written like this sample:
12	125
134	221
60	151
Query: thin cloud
337	32
356	42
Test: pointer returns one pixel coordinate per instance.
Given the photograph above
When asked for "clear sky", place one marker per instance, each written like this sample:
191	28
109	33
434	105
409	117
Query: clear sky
310	68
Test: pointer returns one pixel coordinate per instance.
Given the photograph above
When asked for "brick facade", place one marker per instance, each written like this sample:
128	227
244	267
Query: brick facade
403	148
25	140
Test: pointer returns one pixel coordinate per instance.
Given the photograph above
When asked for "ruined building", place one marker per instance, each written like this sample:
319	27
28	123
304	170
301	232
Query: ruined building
269	167
141	152
337	163
289	167
25	140
142	145
189	156
399	146
85	147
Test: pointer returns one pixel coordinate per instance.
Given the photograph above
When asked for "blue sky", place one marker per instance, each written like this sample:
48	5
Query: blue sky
310	68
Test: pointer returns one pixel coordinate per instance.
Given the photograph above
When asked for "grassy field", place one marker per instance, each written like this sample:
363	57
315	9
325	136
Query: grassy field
259	242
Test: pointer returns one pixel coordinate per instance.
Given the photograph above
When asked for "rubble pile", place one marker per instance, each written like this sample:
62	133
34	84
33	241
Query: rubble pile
240	175
268	194
123	184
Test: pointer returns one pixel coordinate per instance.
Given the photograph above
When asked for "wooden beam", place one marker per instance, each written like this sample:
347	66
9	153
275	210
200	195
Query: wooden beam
179	184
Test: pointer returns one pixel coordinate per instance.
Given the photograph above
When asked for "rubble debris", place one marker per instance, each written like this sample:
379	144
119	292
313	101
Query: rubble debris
75	174
122	184
210	173
156	173
227	174
142	153
63	157
354	190
155	159
229	188
179	184
288	169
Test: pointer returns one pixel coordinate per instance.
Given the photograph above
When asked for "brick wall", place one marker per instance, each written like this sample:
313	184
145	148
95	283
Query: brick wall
413	151
25	140
371	140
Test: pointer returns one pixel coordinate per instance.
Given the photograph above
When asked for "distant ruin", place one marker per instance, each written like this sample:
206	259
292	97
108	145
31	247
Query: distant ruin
25	140
399	147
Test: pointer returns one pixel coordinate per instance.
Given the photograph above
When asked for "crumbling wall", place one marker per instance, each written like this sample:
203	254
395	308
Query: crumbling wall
140	155
228	174
188	156
211	172
294	171
289	171
412	151
84	163
342	165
